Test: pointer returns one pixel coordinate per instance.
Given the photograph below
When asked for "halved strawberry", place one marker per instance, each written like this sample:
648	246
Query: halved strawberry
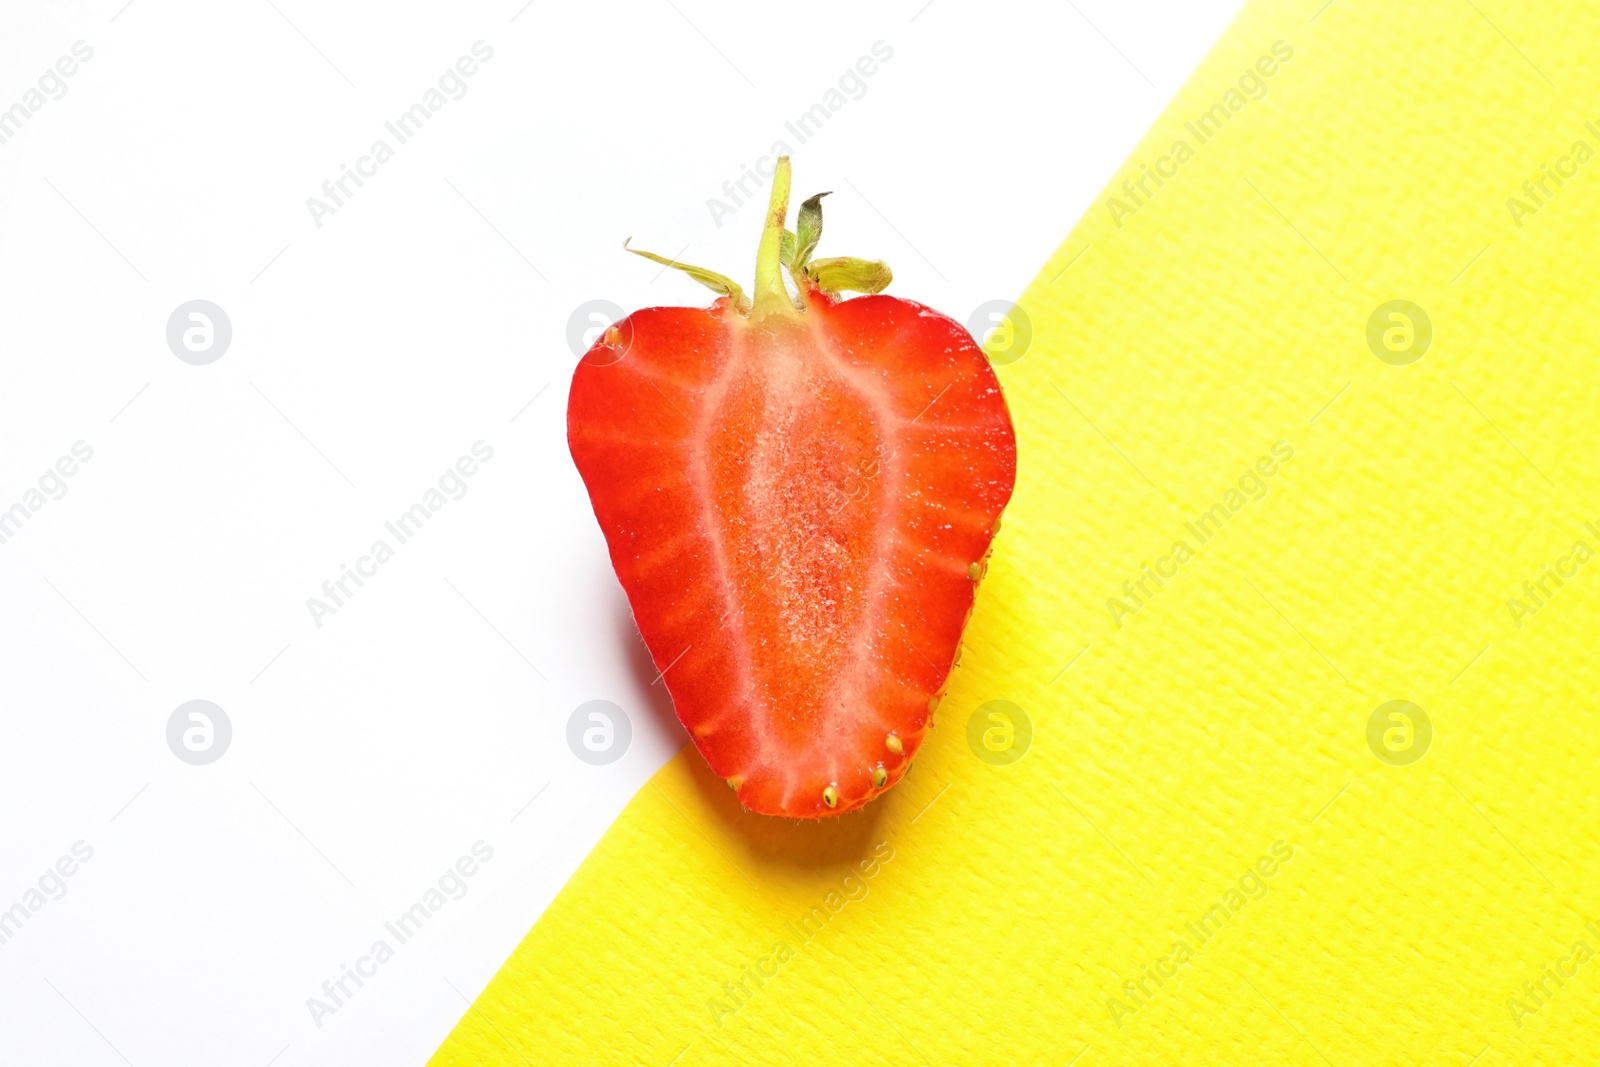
799	499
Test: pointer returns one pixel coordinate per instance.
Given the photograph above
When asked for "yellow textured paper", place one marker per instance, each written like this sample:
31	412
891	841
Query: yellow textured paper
1430	912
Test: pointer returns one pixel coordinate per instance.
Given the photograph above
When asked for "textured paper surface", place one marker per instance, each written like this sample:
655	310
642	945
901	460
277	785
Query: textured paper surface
1428	912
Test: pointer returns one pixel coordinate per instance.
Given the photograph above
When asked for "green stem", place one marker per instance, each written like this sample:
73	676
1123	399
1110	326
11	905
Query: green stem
771	298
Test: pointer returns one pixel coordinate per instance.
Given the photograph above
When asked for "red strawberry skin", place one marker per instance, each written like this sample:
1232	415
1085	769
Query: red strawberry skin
794	506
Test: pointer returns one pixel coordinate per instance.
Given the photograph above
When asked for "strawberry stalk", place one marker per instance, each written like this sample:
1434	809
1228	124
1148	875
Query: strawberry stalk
771	298
782	248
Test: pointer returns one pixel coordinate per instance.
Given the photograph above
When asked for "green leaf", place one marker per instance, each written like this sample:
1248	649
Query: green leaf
786	248
845	273
808	228
708	278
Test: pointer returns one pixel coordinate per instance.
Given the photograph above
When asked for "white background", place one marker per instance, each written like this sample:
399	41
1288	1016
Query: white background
428	313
